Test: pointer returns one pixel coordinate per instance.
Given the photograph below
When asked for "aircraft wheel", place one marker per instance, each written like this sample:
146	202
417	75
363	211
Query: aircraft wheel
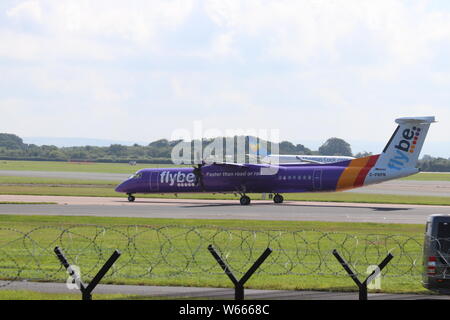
278	198
245	200
131	198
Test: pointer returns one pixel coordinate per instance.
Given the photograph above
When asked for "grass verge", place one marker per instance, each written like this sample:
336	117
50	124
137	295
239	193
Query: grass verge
11	180
76	166
33	295
155	254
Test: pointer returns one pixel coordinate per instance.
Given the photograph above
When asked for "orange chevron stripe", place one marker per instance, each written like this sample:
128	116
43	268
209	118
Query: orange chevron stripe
350	174
364	171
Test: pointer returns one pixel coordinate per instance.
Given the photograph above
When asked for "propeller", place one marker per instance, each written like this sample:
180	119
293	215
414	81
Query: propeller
198	173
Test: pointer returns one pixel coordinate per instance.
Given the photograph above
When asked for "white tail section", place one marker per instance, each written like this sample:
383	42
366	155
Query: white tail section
399	157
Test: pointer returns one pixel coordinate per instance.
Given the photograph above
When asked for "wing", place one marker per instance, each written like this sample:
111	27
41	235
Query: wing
230	164
308	160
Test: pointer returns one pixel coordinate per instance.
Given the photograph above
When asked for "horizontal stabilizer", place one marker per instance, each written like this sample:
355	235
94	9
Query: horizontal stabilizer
415	120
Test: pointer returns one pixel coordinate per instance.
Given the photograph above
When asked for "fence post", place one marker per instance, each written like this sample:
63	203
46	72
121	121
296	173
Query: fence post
362	286
86	291
239	284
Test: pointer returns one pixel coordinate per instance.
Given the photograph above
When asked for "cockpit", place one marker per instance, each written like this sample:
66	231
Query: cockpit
137	175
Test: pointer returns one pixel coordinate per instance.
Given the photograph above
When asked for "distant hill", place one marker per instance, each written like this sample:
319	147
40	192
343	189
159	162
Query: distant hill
75	142
13	147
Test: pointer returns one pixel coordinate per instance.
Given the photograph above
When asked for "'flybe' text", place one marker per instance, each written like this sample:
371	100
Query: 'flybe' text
176	177
404	146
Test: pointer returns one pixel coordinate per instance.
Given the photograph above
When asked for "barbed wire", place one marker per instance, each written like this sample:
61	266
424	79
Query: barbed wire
170	251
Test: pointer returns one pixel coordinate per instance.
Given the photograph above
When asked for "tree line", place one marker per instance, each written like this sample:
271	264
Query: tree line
12	147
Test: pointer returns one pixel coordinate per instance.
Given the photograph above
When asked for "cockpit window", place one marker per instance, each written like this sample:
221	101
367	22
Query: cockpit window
137	175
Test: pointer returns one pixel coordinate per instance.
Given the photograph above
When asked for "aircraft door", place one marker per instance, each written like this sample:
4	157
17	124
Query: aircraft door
317	179
154	183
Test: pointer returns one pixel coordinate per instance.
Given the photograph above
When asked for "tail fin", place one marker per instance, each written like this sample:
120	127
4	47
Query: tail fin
256	148
403	149
399	157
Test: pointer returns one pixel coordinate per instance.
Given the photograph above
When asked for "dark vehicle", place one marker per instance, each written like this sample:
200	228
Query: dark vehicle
436	252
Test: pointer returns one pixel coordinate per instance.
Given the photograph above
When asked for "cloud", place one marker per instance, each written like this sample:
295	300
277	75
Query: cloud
90	29
27	10
139	69
303	31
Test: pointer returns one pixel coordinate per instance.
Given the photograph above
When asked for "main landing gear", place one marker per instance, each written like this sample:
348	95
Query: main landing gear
278	198
131	198
245	200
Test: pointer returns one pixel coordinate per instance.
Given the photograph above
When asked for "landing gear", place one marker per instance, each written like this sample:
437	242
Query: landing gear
278	198
245	200
131	198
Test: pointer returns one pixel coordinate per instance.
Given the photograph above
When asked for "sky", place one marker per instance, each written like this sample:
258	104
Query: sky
141	70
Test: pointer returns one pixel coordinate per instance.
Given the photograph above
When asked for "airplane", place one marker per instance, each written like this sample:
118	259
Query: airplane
398	159
260	154
301	159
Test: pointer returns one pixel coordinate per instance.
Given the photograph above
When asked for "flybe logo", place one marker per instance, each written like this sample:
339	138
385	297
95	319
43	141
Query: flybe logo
406	145
180	178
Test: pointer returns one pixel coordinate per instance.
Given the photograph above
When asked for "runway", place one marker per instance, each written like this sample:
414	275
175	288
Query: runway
220	209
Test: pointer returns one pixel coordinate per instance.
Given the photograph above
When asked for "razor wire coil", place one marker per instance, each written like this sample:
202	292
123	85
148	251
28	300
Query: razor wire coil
170	251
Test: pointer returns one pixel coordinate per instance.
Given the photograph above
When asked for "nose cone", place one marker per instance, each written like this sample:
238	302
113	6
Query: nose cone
122	187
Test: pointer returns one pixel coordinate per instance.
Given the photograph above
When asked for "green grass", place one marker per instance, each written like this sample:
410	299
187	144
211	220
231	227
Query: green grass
170	251
54	181
33	295
429	176
76	166
24	223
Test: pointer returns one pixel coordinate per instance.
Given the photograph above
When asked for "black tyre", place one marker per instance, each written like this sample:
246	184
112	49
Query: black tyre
131	198
278	198
245	201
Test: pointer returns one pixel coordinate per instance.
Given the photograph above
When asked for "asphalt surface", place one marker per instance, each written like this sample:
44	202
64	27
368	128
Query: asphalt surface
221	209
211	293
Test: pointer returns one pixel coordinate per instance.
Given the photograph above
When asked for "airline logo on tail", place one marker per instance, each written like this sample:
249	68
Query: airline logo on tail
408	144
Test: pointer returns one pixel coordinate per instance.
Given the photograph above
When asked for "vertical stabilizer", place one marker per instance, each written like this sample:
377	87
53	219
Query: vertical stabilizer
399	157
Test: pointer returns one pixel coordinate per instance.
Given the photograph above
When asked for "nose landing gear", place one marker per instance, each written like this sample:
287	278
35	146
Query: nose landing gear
131	198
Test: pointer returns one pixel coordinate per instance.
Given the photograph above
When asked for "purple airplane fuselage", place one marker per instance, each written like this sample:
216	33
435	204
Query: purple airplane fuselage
398	159
228	178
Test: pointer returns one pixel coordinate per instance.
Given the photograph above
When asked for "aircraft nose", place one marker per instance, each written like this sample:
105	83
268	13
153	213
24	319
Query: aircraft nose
121	187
